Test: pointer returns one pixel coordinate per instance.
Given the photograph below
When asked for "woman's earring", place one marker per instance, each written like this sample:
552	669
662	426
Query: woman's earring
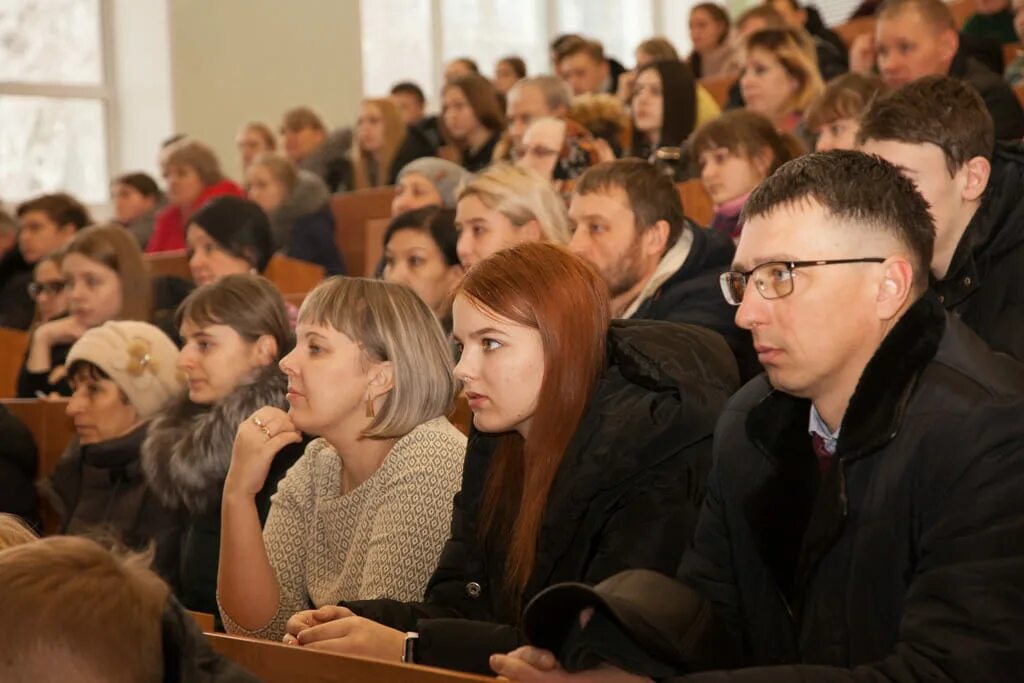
370	410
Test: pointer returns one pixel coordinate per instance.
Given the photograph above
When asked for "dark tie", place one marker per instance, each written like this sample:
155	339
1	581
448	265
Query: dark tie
824	457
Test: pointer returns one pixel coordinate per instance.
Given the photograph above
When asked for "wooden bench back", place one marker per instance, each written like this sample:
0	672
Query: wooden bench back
697	204
50	425
169	263
352	211
276	663
718	87
292	276
13	344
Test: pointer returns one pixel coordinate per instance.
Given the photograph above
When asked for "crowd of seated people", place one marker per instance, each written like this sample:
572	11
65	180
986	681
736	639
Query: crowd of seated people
739	333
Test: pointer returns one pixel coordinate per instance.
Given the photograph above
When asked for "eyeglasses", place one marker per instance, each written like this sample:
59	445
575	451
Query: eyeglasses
51	288
774	279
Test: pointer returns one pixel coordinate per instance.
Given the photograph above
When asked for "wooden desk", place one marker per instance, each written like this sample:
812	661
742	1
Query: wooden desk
276	663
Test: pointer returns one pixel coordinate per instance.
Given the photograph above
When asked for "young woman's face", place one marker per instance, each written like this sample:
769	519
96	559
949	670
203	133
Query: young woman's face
412	258
648	102
250	144
414	191
208	260
93	289
129	203
264	188
501	366
482	231
705	32
330	380
504	77
51	292
457	114
766	85
183	185
838	134
99	410
728	176
370	129
216	360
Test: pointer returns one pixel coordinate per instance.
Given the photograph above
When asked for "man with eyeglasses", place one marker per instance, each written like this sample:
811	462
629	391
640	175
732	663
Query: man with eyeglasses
864	519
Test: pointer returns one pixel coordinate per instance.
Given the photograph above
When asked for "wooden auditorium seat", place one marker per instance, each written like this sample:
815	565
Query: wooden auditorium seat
719	87
849	31
277	663
13	344
292	276
697	204
352	211
51	428
205	621
169	263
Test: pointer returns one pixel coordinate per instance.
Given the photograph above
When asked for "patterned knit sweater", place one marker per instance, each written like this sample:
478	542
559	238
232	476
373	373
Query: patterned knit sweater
380	540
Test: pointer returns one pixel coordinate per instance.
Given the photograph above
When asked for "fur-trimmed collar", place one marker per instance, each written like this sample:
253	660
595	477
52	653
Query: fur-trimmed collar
794	518
187	451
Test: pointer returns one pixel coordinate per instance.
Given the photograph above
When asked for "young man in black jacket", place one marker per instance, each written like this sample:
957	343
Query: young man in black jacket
937	131
628	223
863	518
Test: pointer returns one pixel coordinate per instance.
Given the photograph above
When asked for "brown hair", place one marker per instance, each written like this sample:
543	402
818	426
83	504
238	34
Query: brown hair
301	118
745	133
576	45
394	136
198	157
61	208
482	98
766	12
117	249
74	601
717	14
658	49
858	188
515	63
279	166
934	12
543	286
142	183
390	323
651	194
795	51
844	97
248	304
263	130
14	531
943	111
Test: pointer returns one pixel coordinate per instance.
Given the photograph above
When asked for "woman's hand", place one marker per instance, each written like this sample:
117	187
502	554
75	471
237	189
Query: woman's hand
258	439
46	336
533	665
336	629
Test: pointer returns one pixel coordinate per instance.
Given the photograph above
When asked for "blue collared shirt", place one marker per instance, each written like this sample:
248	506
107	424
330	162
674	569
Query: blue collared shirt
818	426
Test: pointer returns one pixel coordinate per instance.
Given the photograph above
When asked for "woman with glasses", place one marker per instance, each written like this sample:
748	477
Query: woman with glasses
48	289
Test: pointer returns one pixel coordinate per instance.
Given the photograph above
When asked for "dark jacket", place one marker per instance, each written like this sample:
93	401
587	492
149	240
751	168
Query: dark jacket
999	97
626	494
186	456
31	384
188	655
417	144
18	464
816	27
480	159
303	226
693	295
985	281
17	309
904	562
330	160
100	487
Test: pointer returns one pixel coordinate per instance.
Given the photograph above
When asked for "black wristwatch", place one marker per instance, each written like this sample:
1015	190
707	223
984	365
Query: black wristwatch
409	654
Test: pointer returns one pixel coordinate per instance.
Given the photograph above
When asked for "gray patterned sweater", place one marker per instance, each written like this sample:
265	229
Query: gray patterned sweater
381	540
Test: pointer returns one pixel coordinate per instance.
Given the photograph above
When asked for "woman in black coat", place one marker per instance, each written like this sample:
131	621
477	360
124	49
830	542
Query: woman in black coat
591	445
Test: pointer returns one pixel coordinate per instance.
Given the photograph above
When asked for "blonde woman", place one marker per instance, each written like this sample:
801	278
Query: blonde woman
781	77
383	145
366	509
504	206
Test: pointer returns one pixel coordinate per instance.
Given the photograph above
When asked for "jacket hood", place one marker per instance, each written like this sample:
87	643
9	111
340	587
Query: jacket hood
187	451
310	194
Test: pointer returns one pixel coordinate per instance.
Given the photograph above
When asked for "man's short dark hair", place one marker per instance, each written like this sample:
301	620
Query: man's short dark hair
943	111
592	48
857	187
409	88
935	12
61	208
652	195
141	182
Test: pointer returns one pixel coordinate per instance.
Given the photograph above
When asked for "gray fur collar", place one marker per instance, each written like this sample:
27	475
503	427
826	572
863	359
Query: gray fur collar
187	451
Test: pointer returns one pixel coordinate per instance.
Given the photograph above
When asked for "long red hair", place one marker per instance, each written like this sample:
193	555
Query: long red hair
543	286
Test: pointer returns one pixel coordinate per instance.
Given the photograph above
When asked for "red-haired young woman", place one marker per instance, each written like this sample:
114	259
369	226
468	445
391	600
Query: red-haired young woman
592	441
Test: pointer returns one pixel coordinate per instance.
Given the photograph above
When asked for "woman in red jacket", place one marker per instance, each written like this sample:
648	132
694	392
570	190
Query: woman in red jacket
193	177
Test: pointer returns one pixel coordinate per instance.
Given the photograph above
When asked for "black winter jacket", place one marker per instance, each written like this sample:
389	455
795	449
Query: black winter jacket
693	295
18	464
16	307
626	494
999	98
101	487
906	561
984	285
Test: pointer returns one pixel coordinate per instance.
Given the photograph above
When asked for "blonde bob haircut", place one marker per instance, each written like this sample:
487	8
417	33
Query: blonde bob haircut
520	195
795	51
390	323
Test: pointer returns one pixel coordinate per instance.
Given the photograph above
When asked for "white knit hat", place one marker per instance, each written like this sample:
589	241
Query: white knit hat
138	357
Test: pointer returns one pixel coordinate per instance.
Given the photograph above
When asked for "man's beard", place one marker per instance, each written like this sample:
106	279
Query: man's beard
624	274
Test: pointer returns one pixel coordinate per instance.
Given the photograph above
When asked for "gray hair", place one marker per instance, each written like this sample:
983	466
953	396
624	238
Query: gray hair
556	91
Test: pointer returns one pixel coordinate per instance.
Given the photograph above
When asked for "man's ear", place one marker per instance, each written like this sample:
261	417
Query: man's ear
976	171
266	349
895	287
654	240
949	43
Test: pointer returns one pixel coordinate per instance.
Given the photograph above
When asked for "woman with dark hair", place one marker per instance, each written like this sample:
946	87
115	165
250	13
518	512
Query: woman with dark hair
590	447
472	120
713	53
664	110
419	252
507	71
236	330
229	235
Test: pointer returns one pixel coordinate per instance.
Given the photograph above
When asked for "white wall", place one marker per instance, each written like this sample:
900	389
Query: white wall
238	60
